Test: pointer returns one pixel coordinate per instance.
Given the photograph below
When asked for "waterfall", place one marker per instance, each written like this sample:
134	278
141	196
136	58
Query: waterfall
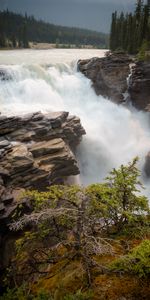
115	134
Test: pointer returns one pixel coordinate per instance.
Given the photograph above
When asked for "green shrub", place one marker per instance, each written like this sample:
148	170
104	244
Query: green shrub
143	52
118	201
137	262
79	296
15	294
23	293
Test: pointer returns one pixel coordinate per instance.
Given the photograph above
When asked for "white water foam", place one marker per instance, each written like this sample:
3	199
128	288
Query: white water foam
115	134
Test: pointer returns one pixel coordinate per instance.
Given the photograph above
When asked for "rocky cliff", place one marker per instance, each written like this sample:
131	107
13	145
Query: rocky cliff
108	74
36	150
109	78
139	88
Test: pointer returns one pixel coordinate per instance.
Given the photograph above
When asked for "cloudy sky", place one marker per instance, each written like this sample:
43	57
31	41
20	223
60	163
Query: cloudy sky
92	14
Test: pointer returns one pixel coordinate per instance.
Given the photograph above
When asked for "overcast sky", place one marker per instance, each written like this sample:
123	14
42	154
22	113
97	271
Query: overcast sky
92	14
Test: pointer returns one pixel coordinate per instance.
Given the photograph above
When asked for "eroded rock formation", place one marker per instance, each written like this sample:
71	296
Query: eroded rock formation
109	78
35	151
140	85
108	74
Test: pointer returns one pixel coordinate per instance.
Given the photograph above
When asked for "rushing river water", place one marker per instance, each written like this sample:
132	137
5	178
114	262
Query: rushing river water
47	80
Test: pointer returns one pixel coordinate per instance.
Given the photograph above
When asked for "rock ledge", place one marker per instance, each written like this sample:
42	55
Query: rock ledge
36	150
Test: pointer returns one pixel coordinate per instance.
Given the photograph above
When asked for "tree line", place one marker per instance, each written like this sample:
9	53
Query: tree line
131	31
17	30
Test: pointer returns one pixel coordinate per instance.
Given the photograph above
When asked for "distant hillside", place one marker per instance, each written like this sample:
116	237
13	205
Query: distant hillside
17	30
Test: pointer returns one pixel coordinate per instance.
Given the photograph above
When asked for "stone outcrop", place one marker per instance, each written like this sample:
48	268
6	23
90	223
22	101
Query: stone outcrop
140	85
108	74
147	165
109	78
35	150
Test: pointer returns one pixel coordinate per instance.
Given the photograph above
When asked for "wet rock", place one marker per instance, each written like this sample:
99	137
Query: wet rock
108	74
140	85
147	165
4	74
4	144
2	208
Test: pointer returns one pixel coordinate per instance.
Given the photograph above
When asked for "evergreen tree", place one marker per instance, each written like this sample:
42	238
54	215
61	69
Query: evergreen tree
24	37
130	31
121	30
14	42
113	31
2	40
138	10
26	28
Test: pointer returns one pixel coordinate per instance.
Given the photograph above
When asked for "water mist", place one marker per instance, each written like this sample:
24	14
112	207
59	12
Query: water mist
114	133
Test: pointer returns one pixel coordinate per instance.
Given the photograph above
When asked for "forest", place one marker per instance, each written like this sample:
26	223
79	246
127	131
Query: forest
17	30
131	31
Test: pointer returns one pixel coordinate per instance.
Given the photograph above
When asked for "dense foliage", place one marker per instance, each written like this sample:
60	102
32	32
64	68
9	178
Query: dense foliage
130	31
17	31
136	262
71	235
22	293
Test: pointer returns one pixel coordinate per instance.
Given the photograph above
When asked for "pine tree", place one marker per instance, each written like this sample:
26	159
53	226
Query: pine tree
138	10
24	37
113	32
14	42
130	31
121	30
146	15
2	40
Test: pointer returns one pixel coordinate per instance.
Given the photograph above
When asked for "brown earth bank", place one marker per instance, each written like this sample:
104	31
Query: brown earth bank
109	78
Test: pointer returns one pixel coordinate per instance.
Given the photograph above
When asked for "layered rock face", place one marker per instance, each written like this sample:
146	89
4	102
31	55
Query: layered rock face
108	74
35	151
109	78
140	85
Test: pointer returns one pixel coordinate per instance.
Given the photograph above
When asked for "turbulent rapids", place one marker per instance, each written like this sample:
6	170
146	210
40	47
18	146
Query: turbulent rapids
114	133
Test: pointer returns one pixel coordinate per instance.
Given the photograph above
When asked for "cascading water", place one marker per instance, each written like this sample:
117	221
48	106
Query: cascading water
115	134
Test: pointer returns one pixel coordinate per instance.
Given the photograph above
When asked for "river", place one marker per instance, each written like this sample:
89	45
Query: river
48	80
